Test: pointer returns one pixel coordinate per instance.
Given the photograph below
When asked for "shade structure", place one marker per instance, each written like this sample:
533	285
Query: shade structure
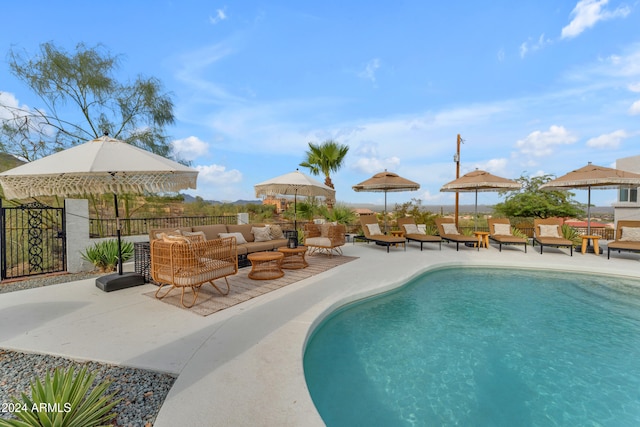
386	182
294	184
477	181
593	176
103	165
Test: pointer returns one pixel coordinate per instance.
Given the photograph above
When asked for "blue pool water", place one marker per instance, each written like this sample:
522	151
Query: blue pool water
482	347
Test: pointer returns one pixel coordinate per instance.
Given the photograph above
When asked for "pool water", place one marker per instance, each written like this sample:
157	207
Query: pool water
482	347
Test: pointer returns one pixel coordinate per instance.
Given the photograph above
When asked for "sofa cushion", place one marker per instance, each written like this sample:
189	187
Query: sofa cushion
245	229
323	242
259	246
239	237
211	231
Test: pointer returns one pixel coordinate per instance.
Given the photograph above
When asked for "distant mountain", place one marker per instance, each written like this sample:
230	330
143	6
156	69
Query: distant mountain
190	199
9	161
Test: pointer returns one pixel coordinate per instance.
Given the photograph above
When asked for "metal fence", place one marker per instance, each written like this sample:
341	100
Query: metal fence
140	226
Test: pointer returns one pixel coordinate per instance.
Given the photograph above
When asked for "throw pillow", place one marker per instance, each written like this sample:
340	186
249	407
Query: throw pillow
374	229
239	237
276	232
549	230
411	229
450	228
422	228
170	238
630	234
502	229
261	234
195	236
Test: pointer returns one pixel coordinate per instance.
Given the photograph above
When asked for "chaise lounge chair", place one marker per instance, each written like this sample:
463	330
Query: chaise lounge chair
412	234
627	237
449	233
548	233
500	232
372	233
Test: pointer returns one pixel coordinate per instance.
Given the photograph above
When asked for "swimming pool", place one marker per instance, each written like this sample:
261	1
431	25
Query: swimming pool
469	346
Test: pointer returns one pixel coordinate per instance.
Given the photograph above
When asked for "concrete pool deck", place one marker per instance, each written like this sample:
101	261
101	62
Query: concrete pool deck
243	365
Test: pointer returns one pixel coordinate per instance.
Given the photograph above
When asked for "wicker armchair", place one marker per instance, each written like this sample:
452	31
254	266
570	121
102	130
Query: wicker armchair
185	264
328	240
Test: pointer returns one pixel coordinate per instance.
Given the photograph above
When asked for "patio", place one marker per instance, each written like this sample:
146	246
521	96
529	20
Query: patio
241	365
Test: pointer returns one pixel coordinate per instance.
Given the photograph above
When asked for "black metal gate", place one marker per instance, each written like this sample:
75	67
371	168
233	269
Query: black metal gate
33	240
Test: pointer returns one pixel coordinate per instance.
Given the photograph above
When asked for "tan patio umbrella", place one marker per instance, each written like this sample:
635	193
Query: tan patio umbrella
477	181
295	184
102	165
386	182
593	176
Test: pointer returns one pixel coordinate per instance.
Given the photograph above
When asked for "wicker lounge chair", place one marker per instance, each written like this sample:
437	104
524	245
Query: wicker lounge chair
184	264
371	234
503	235
326	238
548	232
411	233
449	233
630	242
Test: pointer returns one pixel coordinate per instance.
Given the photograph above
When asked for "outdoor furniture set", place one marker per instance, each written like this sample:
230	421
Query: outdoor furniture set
189	257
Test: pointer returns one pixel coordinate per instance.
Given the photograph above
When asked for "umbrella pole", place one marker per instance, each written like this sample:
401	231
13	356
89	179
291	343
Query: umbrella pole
475	219
118	234
385	212
589	211
295	211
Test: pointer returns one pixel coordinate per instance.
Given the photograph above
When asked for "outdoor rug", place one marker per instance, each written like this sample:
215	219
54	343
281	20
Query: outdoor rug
243	289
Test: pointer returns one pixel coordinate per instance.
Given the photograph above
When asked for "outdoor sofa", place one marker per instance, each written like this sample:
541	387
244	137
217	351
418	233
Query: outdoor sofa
250	238
627	237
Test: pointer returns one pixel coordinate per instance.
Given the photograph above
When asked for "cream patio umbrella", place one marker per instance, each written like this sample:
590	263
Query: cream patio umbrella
294	184
479	180
102	165
589	176
386	182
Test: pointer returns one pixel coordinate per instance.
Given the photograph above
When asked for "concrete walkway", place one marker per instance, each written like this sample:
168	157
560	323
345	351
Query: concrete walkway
241	366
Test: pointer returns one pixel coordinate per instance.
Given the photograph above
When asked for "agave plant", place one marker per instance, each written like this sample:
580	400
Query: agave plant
64	400
104	255
572	234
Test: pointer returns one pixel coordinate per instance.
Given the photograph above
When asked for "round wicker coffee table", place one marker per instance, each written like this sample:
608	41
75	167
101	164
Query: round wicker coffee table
293	257
265	265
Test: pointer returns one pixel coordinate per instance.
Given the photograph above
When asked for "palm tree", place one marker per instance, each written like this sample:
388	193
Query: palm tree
325	158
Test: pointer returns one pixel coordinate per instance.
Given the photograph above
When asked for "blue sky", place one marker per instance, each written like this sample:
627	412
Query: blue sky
532	86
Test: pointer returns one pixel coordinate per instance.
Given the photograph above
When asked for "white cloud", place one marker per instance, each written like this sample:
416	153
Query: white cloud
219	16
189	148
369	72
635	108
541	143
634	87
587	13
608	141
369	162
501	55
532	46
218	175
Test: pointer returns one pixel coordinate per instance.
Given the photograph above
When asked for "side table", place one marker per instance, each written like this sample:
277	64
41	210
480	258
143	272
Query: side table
293	257
483	239
585	243
265	265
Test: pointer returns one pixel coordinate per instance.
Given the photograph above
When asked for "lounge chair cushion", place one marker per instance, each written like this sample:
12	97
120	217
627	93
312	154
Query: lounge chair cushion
411	229
630	234
502	229
323	242
374	230
240	240
549	230
261	234
450	228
